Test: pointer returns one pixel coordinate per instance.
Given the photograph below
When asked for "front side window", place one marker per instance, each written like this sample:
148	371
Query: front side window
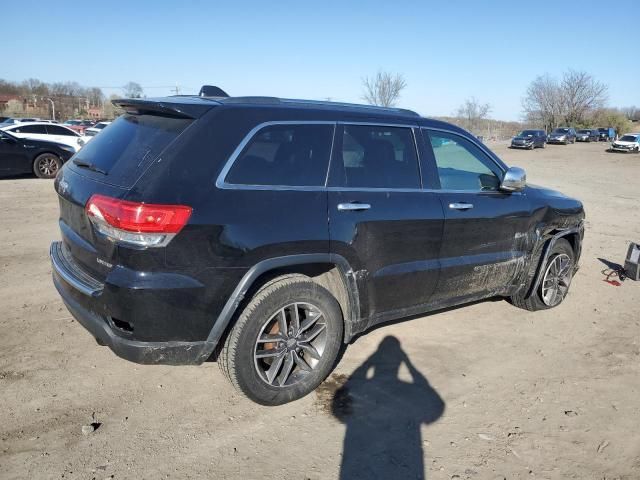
463	165
377	157
288	155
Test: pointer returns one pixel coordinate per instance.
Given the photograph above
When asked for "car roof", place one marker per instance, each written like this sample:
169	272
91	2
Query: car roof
24	124
192	106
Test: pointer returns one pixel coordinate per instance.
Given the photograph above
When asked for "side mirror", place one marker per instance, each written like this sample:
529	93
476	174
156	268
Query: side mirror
514	180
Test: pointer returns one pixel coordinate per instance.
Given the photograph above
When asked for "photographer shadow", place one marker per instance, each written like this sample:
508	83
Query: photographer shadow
383	415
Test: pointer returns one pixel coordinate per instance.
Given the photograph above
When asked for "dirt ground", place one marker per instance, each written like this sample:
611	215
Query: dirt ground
484	391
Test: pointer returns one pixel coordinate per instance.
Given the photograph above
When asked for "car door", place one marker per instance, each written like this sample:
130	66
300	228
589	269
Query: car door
13	157
381	220
484	241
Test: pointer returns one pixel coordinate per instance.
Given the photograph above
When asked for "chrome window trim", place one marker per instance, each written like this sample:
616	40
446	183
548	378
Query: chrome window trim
221	182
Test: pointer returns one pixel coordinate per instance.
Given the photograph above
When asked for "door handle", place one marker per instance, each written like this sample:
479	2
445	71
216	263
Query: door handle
460	206
354	207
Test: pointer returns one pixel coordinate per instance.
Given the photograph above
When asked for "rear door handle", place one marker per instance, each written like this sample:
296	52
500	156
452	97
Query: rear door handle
461	206
355	206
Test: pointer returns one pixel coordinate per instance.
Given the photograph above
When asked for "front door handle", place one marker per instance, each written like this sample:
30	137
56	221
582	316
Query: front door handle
353	207
461	206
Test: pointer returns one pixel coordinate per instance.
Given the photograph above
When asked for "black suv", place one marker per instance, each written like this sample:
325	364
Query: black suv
265	233
564	135
529	139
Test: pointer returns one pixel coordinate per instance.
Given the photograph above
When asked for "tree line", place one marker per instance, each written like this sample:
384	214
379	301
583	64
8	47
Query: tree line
33	97
577	100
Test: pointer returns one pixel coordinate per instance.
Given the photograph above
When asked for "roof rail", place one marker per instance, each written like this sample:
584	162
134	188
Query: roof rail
319	103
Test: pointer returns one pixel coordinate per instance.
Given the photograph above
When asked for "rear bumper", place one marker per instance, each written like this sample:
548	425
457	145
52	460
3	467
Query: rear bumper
81	295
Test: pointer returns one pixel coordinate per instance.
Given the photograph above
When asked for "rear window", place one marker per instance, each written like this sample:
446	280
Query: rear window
129	146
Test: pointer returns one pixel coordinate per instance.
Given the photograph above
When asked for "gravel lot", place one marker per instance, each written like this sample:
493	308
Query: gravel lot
484	391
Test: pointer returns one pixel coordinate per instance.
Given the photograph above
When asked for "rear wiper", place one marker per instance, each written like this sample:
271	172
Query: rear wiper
89	166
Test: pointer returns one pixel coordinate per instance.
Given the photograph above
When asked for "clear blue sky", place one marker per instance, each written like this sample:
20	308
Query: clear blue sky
446	50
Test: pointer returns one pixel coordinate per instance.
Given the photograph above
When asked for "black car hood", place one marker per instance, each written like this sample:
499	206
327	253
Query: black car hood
545	192
523	138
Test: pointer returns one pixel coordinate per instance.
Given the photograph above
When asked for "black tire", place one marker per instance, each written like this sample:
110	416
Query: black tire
536	302
47	165
237	360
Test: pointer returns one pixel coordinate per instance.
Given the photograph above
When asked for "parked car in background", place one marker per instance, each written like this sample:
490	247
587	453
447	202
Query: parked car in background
529	139
78	125
587	135
564	135
197	229
16	120
47	131
26	155
628	143
96	129
606	134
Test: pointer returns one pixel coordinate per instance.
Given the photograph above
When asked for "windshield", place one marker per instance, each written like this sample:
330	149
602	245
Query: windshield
561	130
527	133
603	130
72	122
584	131
629	138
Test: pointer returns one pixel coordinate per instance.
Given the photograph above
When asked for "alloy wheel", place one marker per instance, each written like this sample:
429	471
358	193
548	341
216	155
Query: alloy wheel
290	344
48	165
556	280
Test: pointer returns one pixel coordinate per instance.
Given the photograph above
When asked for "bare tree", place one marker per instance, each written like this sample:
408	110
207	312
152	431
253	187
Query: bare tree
582	94
543	103
632	113
549	102
383	89
132	90
471	112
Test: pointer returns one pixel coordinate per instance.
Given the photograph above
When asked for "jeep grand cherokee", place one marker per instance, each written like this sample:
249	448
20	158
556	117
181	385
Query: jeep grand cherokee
265	233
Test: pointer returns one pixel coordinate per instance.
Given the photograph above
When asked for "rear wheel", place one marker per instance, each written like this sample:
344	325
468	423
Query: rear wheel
46	165
285	341
556	280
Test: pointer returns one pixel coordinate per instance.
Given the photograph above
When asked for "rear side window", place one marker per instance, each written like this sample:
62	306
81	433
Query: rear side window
31	129
377	157
462	165
56	130
130	145
288	155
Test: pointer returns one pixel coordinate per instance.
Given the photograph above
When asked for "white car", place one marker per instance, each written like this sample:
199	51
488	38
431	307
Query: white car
47	131
629	142
96	129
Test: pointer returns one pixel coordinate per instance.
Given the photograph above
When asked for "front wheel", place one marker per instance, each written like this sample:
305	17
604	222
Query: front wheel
556	280
285	342
46	165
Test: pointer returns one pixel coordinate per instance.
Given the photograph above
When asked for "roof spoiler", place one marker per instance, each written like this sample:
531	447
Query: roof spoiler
172	106
212	91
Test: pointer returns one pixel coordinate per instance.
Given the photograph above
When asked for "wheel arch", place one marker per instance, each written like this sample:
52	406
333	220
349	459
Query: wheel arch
573	235
331	271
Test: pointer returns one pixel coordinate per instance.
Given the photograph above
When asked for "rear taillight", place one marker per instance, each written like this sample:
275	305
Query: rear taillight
134	223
